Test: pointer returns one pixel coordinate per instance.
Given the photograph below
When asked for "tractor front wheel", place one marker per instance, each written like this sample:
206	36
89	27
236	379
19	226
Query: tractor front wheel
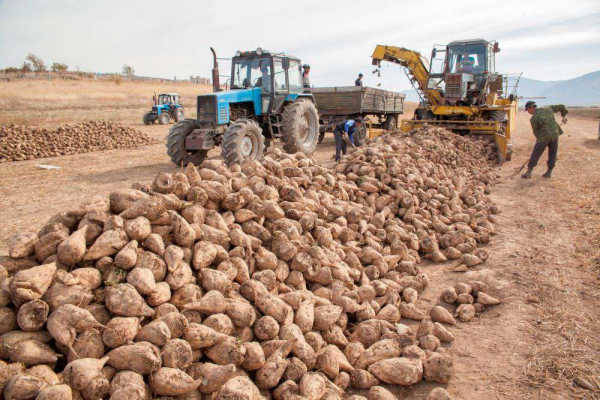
300	127
163	118
179	114
148	119
176	144
243	140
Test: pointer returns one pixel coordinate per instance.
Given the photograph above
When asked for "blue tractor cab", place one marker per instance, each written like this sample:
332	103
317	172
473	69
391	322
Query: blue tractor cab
166	106
266	102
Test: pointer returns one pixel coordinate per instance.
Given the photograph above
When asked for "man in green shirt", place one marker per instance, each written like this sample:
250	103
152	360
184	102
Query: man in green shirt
546	132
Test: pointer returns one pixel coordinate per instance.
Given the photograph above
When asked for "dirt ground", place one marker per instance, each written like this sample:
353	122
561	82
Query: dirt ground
544	262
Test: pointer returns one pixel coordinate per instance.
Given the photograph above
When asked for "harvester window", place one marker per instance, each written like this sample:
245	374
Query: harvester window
467	59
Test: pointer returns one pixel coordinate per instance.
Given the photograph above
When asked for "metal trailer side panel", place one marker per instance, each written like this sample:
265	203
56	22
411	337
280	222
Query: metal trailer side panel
357	100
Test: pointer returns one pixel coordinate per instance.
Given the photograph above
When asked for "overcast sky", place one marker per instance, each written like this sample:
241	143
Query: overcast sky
546	40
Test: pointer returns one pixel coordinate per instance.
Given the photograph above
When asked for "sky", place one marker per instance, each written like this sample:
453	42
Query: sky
546	40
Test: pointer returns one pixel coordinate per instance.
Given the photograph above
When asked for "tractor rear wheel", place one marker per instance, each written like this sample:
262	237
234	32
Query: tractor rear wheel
176	144
243	140
391	123
360	135
300	127
163	118
148	119
179	114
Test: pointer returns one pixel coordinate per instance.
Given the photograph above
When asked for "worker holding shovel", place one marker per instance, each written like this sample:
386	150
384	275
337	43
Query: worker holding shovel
546	132
343	135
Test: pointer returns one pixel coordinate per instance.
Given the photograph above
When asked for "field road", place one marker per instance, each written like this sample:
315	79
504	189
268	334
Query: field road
544	262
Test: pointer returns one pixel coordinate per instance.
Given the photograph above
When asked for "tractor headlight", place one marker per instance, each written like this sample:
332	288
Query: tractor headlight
265	104
259	51
238	53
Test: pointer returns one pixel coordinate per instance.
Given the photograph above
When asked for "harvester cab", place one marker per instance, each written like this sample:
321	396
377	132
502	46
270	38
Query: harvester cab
468	71
166	106
460	89
266	102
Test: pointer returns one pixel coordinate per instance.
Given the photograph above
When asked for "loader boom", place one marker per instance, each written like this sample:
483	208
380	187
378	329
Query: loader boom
417	69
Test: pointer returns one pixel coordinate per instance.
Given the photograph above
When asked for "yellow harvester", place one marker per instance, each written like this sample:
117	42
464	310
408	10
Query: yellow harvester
466	95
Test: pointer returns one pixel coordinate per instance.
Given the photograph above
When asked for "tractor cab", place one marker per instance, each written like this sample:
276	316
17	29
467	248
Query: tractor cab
272	77
468	71
166	99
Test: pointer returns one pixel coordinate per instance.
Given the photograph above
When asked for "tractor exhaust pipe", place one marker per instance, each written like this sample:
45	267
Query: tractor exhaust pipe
215	72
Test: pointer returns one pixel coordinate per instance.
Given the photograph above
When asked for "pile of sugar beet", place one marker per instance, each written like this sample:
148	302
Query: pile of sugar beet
280	278
18	142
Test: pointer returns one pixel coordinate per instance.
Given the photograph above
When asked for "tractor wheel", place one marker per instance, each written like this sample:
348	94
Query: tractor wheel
300	127
163	118
360	136
148	119
497	116
243	140
176	144
179	114
391	123
423	115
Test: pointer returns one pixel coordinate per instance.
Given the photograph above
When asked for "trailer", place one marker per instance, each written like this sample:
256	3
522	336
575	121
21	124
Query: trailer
336	104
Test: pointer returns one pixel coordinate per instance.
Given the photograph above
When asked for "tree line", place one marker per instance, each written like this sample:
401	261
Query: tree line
33	63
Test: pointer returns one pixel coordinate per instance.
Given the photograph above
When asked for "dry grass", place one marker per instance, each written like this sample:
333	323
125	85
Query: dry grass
566	333
48	103
591	112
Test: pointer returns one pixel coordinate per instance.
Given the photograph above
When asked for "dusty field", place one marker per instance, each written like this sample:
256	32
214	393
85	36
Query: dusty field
544	263
591	112
48	103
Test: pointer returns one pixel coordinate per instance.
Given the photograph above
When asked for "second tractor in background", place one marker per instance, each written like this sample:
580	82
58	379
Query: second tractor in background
166	106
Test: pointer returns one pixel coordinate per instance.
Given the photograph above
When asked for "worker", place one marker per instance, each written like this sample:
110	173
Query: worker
347	127
466	64
305	77
546	132
358	81
265	78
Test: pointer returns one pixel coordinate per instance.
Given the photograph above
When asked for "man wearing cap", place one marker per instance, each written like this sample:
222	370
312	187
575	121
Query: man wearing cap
305	77
347	127
546	132
358	81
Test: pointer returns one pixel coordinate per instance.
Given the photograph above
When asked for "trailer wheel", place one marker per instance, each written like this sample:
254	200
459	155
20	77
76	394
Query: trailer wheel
243	140
148	120
176	144
164	118
179	114
300	127
360	137
391	123
321	137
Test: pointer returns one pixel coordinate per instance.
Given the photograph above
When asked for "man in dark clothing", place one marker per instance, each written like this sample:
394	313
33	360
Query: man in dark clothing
546	132
358	81
345	128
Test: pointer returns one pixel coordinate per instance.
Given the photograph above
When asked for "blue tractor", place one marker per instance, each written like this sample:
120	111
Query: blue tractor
166	106
266	102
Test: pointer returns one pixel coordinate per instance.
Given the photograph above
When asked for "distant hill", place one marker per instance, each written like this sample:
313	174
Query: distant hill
581	91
